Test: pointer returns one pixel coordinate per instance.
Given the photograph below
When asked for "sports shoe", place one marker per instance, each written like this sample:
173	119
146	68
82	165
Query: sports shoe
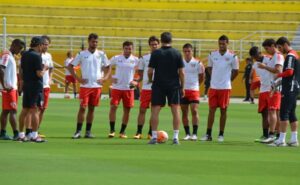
277	143
89	135
149	136
5	137
259	140
153	141
270	139
111	135
15	138
22	139
175	141
76	135
122	136
194	137
138	136
38	140
220	138
293	143
206	138
187	137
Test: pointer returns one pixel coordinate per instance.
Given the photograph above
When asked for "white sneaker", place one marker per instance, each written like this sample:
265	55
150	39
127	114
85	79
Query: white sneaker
221	138
293	143
270	139
194	137
206	138
187	137
76	135
278	143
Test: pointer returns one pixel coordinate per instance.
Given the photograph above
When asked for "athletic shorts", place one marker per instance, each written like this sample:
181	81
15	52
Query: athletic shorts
159	96
218	98
255	85
10	100
127	97
70	79
263	101
32	96
274	101
145	98
288	107
46	93
89	96
191	96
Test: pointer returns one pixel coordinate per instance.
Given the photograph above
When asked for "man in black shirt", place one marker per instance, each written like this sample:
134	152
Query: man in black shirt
31	74
168	83
246	78
290	89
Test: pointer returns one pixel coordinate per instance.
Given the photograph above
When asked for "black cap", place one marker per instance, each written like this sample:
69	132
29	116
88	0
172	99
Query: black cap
35	41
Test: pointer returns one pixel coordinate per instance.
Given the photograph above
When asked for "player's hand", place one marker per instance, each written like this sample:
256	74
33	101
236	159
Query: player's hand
100	81
82	81
261	65
149	81
182	92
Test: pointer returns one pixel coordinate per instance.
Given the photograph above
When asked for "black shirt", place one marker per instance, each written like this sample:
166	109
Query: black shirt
247	71
31	62
166	61
291	83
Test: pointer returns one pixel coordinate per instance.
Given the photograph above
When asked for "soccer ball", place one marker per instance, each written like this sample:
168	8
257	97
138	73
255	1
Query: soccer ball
162	136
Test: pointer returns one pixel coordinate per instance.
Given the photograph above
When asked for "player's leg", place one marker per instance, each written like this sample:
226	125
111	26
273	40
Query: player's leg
4	115
293	122
89	121
13	123
84	98
46	94
140	121
22	116
128	103
195	120
175	108
185	120
223	118
67	83
125	118
114	102
74	89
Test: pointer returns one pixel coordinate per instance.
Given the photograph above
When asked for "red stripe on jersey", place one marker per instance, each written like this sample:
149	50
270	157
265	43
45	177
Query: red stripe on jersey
287	73
294	53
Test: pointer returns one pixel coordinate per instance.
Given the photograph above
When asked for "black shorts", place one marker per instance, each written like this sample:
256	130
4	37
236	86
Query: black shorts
185	101
288	107
159	96
32	96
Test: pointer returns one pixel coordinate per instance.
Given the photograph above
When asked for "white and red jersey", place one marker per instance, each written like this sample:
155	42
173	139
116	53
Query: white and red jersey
125	69
91	67
277	59
222	65
67	62
10	74
47	61
143	65
265	81
192	69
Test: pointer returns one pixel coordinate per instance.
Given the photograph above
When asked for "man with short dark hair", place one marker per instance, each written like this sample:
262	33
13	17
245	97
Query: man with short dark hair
223	66
8	79
123	84
290	90
31	73
168	83
92	62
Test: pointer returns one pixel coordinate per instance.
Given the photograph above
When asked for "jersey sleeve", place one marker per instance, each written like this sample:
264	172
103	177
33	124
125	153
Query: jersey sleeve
201	68
152	62
141	65
38	63
279	60
235	62
51	63
4	60
105	61
113	60
290	61
180	61
77	60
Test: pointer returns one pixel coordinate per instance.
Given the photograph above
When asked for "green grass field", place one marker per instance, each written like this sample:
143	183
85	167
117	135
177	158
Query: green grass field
63	161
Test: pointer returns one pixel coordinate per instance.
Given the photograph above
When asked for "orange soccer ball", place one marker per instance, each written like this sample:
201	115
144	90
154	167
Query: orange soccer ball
162	136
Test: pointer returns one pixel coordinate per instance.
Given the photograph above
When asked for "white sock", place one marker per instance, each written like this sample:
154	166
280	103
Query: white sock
21	134
294	136
154	134
34	135
176	133
282	137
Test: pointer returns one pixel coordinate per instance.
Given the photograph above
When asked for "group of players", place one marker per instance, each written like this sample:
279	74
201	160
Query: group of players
189	72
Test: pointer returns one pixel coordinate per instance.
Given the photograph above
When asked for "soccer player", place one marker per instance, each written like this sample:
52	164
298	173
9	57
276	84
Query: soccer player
122	87
264	91
31	74
92	61
47	78
223	66
8	79
69	78
194	75
168	83
290	90
246	78
145	98
274	67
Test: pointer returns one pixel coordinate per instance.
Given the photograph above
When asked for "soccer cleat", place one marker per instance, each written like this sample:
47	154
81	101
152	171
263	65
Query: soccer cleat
206	138
122	136
149	136
138	136
153	141
194	137
22	139
293	143
187	137
259	140
277	143
89	135
270	139
175	141
221	138
76	135
5	137
111	135
15	138
38	140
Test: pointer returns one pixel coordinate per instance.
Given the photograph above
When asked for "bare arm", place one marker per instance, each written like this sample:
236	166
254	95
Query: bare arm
201	77
181	79
141	74
2	76
234	74
150	74
276	70
209	69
